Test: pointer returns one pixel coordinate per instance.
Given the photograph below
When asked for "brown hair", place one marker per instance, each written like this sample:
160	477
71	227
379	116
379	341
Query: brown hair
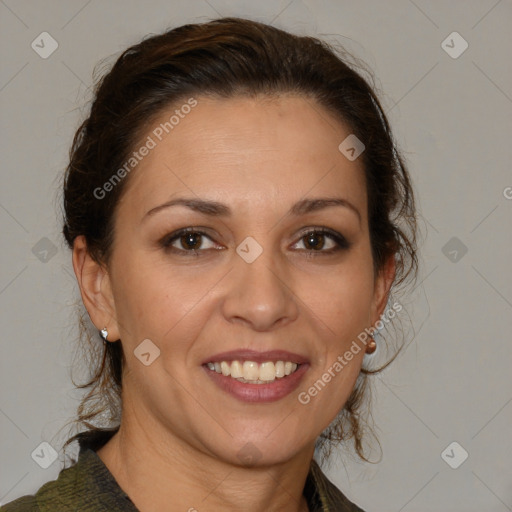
225	58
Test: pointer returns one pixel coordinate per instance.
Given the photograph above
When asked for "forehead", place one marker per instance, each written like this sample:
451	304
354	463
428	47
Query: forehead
266	148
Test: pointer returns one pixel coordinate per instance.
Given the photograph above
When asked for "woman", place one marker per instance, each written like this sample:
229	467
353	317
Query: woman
238	215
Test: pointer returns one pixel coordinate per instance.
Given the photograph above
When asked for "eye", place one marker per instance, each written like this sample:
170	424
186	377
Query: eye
190	240
315	241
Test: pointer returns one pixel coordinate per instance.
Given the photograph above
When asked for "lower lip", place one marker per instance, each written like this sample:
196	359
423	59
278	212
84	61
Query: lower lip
271	392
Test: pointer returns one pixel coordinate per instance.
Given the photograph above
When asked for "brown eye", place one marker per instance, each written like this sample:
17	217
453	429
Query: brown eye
323	241
314	240
187	242
191	240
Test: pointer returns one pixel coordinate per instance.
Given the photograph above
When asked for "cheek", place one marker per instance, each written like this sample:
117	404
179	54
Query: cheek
154	300
342	299
341	313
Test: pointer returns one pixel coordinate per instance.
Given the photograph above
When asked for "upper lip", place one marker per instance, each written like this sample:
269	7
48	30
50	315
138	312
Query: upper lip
257	357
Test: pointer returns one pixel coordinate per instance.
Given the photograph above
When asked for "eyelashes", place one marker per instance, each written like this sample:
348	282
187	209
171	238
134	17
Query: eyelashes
191	241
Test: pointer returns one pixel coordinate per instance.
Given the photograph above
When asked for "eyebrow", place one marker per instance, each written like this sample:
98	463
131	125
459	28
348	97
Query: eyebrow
216	209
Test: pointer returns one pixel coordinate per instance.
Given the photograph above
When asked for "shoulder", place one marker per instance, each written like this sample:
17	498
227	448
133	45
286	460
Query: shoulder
23	504
86	484
71	490
50	494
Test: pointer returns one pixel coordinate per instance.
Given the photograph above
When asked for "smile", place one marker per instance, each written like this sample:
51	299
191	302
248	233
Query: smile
253	372
254	389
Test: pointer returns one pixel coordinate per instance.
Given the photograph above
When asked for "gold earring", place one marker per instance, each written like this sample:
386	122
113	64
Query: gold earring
371	347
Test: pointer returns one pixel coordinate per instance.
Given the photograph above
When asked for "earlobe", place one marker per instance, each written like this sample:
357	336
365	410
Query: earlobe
95	289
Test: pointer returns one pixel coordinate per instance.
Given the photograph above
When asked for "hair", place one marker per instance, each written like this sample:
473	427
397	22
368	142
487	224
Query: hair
226	58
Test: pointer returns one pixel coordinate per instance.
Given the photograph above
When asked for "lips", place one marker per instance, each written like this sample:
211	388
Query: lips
258	393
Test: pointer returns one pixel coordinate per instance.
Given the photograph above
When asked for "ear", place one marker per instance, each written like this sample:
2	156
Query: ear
383	283
95	288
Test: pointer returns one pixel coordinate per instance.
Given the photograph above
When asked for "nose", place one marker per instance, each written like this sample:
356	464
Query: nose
260	294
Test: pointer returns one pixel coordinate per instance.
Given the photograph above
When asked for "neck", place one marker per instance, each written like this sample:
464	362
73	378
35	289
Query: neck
161	472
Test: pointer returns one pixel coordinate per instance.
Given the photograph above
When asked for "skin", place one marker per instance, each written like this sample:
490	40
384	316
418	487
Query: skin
180	434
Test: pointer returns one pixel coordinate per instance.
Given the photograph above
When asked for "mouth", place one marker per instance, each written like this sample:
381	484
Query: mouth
251	372
253	376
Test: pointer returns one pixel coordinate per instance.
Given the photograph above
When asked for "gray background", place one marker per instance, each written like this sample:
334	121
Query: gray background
452	116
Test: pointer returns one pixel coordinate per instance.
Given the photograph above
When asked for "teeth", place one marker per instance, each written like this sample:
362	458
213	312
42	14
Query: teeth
252	372
279	366
225	368
237	370
267	371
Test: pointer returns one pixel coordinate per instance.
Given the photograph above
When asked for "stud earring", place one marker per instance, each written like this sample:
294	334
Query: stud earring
104	333
371	347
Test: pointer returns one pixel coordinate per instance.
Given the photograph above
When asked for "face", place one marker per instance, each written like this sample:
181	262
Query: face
262	269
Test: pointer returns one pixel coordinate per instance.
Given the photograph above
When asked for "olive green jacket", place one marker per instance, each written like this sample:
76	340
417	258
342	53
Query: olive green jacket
88	486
